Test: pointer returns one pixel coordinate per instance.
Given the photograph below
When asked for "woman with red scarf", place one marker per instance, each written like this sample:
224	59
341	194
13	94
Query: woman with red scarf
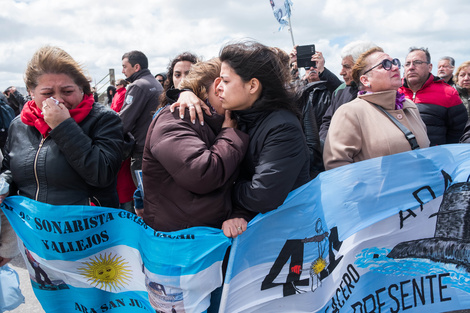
64	149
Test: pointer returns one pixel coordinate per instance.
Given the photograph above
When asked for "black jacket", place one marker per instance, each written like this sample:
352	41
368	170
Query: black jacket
466	134
75	165
140	104
341	96
316	97
332	81
313	102
16	101
276	162
465	97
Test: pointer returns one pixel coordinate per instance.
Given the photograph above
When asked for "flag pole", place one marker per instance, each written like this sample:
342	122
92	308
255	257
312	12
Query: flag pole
290	31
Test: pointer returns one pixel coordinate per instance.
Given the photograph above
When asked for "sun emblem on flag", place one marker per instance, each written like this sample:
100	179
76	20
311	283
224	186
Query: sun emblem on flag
106	272
317	266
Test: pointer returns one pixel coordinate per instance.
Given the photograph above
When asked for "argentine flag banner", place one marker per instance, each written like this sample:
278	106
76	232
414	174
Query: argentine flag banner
390	234
92	259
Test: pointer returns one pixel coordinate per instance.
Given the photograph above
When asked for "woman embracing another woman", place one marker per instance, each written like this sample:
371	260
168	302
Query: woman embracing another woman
189	169
254	86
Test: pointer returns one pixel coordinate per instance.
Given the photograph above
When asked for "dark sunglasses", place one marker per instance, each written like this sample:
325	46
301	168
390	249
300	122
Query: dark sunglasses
386	64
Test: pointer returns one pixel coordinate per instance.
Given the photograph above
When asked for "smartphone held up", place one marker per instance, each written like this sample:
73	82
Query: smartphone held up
304	56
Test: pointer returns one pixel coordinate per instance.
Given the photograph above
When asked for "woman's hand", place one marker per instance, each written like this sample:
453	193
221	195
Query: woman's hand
320	65
229	122
234	227
54	113
2	197
187	99
4	261
139	212
293	54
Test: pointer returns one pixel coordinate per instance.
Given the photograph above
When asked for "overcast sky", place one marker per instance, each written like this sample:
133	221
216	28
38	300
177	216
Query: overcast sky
97	32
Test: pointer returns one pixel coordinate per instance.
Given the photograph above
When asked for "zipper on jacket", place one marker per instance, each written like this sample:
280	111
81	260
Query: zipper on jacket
98	203
414	96
35	167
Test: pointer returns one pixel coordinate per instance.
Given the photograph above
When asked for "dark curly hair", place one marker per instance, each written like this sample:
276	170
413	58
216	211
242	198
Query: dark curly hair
168	84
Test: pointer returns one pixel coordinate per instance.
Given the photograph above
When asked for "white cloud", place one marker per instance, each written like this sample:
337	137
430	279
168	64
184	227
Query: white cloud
97	33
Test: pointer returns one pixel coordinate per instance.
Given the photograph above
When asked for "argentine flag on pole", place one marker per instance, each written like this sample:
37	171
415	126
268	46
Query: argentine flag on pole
281	10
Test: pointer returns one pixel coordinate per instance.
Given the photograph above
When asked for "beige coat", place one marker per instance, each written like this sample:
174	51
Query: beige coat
360	131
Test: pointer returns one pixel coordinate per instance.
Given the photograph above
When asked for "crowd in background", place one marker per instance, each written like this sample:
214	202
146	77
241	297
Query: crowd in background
213	143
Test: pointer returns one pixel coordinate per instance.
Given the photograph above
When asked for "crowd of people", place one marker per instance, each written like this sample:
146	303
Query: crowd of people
213	143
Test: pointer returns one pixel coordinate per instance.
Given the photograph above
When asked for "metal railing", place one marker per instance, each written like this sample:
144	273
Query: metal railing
102	86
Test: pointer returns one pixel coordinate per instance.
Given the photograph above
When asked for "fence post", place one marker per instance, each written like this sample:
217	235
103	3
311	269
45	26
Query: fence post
112	79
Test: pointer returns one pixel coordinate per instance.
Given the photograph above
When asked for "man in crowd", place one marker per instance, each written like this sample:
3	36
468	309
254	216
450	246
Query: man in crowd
445	70
140	103
15	99
320	84
439	104
348	90
311	75
314	99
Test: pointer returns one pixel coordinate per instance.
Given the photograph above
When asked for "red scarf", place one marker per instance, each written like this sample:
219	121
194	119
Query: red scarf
32	115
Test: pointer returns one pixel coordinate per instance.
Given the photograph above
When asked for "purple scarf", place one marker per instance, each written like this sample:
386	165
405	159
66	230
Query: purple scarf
399	100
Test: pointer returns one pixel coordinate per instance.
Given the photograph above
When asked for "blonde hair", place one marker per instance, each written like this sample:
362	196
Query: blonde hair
53	60
361	63
201	77
460	68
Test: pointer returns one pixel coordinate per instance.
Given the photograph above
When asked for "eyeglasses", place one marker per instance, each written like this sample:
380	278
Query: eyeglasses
415	63
386	64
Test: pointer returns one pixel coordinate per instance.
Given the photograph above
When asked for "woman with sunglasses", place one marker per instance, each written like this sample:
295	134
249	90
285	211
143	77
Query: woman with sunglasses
362	129
119	96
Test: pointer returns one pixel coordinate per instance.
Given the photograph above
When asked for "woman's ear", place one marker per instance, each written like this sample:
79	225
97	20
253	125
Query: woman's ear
364	80
217	82
216	85
255	86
